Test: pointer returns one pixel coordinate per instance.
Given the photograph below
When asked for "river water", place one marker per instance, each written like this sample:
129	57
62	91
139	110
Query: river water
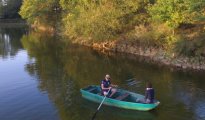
41	75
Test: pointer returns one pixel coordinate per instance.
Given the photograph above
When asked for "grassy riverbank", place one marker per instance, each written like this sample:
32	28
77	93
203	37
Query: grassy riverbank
186	51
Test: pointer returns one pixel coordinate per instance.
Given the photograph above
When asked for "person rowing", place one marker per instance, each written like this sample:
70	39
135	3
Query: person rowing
106	85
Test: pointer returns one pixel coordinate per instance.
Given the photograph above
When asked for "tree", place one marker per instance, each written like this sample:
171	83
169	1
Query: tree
177	12
103	19
9	8
38	11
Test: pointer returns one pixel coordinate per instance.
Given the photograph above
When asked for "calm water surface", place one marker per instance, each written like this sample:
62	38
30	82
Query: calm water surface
40	78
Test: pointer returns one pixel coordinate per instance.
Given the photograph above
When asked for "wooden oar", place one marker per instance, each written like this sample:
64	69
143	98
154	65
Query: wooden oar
100	106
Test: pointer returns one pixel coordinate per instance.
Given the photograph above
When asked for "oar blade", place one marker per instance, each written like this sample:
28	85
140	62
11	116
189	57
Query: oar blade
93	118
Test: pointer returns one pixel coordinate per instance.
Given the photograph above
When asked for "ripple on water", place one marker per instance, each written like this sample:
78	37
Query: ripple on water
199	110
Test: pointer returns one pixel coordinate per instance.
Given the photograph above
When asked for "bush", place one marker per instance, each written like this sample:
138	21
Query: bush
102	20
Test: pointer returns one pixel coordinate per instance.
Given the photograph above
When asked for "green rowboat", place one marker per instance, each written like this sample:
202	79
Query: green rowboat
121	99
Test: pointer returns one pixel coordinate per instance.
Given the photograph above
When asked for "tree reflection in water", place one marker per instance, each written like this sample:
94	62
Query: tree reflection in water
63	68
9	41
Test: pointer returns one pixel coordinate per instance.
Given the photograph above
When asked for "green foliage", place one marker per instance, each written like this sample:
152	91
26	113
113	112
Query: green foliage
177	12
155	36
194	48
100	20
38	10
10	8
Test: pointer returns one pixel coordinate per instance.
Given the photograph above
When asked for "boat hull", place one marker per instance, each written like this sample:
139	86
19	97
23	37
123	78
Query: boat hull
118	103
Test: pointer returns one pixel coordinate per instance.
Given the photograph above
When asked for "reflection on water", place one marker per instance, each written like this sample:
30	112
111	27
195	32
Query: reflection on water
9	41
111	112
61	69
5	43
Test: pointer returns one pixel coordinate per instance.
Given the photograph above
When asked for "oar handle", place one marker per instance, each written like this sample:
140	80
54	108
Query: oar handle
103	99
100	105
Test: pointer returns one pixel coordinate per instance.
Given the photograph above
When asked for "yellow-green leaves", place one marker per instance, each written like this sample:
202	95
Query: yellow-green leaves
176	12
100	20
36	10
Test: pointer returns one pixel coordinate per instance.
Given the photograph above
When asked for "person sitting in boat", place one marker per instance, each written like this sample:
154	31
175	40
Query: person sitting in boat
149	94
106	85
